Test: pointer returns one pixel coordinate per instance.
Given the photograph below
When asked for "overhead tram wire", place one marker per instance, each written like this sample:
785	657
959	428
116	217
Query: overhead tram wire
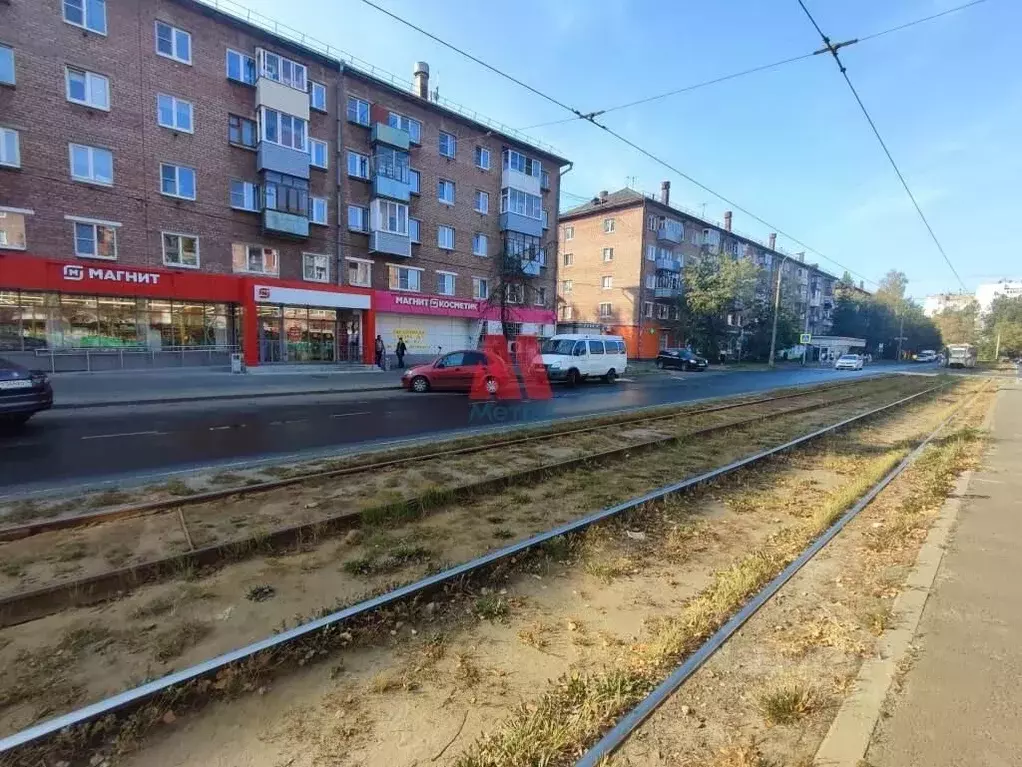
834	49
590	118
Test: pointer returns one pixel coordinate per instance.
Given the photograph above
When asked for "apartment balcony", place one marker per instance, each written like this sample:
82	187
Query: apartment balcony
671	231
522	181
815	299
391	243
384	134
391	181
282	159
516	222
282	98
282	222
666	293
668	264
514	264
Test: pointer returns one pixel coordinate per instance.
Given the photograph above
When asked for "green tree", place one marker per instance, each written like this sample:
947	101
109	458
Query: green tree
759	327
892	288
959	326
1005	320
715	286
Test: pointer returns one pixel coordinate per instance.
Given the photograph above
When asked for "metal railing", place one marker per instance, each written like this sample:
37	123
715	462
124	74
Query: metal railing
134	357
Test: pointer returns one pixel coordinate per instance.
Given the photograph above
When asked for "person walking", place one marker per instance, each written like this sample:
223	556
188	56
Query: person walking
380	349
400	350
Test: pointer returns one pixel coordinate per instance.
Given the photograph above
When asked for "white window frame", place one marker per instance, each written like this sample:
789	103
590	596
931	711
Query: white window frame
415	239
364	212
650	281
398	268
476	242
90	179
263	69
267	115
453	276
325	145
5	161
405	123
314	88
566	312
522	163
609	312
651	252
174	54
481	153
567	286
545	218
243	59
451	141
91	79
249	188
485	197
568	259
569	233
480	288
174	102
177	181
539	296
96	224
609	225
380	213
179	235
317	205
439	241
647	309
440	184
315	257
608	255
368	283
363	160
86	16
519	202
359	102
663	312
416	187
23	212
262	248
606	282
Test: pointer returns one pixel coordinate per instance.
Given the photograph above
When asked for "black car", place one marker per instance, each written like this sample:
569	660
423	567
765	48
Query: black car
23	392
683	359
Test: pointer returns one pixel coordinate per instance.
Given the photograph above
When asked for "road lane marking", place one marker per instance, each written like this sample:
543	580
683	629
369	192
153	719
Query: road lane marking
225	428
346	415
284	423
125	434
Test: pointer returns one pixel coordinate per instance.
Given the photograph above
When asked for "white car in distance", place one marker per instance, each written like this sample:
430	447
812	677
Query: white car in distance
849	362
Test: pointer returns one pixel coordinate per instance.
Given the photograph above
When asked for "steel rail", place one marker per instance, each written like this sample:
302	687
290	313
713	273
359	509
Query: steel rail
28	529
146	692
633	719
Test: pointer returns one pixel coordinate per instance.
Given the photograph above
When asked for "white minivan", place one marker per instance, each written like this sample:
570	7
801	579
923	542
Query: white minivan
576	357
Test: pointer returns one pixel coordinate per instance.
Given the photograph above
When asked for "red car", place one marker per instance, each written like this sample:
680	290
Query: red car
457	371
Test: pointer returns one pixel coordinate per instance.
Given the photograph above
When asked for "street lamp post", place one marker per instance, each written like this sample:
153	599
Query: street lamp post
777	304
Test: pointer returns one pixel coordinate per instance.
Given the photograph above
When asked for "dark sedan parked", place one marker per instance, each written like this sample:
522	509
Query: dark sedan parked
683	359
23	392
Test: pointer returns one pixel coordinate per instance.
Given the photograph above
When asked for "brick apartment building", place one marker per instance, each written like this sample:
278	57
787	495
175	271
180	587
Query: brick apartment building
175	179
621	257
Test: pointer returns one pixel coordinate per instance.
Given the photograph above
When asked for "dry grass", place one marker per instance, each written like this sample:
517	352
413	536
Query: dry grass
740	755
789	702
170	643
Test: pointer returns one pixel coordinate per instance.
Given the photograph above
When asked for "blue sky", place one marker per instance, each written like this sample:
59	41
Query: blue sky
788	144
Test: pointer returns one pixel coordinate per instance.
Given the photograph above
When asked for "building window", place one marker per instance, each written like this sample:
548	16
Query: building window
244	195
255	259
404	278
445	283
608	226
539	298
389	216
10	148
414	227
514	293
647	309
288	194
282	70
651	252
445	191
319	153
240	67
315	268
605	310
412	127
608	254
360	273
479	244
86	88
241	131
445	237
663	311
546	218
414	181
517	161
177	181
90	163
480	288
358	218
524	204
568	259
88	14
12	228
653	223
448	145
566	286
569	233
318	211
317	95
607	282
95	239
566	312
482	202
7	75
358	165
651	281
284	129
482	158
180	250
174	113
171	42
358	111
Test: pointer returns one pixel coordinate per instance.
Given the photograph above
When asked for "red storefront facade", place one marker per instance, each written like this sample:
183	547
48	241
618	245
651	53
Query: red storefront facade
46	303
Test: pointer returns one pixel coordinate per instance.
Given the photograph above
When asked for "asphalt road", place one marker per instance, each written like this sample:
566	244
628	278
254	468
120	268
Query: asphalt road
147	441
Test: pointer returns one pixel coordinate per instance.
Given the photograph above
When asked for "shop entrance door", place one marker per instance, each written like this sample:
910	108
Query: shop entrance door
310	335
270	348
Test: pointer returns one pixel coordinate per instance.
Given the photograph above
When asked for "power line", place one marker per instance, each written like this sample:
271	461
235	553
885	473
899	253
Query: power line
920	21
833	49
650	155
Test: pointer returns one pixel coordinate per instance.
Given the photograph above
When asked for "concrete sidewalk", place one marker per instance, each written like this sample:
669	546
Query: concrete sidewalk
143	387
961	704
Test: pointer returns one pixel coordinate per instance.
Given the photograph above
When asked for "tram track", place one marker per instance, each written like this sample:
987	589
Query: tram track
331	628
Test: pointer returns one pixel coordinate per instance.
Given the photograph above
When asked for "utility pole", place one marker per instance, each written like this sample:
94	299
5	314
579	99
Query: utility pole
901	335
997	348
777	304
